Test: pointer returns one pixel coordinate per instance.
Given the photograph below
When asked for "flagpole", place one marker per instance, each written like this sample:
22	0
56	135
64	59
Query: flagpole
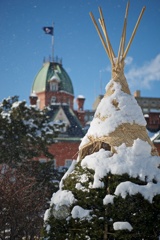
53	44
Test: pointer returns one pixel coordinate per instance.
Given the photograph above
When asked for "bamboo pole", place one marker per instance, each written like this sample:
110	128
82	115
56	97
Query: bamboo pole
109	50
123	37
103	26
124	40
134	32
100	35
121	42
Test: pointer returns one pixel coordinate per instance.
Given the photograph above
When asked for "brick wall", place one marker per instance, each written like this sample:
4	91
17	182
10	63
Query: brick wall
65	150
61	97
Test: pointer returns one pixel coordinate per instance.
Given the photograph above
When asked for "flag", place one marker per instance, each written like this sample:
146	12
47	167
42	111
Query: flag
48	30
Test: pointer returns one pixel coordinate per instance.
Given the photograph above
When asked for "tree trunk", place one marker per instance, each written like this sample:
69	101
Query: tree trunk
105	226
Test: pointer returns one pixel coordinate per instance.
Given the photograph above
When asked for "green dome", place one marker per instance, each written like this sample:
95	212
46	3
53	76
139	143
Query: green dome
49	71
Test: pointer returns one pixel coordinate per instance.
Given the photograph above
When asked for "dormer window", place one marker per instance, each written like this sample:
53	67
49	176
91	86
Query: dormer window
53	86
53	83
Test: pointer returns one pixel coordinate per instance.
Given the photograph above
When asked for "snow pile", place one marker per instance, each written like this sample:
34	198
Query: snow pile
62	197
108	199
136	161
16	104
80	187
71	168
46	215
107	118
79	212
60	205
122	226
148	191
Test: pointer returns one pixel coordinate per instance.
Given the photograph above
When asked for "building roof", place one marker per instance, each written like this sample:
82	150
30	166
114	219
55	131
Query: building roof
74	128
156	138
47	72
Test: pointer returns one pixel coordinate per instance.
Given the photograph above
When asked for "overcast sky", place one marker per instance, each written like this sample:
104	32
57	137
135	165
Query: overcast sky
23	44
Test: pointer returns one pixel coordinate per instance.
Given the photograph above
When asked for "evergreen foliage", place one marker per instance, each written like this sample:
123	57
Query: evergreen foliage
25	132
87	198
143	216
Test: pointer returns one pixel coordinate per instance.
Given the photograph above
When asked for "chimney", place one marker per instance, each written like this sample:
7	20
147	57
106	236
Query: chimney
33	99
137	93
80	102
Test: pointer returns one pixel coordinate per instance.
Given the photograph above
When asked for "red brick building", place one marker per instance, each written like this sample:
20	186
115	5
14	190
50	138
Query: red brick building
52	87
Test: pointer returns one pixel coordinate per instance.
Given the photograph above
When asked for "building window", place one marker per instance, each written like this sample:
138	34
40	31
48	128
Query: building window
53	100
145	110
153	103
42	160
63	129
54	163
68	163
53	86
68	101
145	102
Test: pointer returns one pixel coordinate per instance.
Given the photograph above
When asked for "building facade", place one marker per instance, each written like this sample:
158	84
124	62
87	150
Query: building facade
151	109
52	88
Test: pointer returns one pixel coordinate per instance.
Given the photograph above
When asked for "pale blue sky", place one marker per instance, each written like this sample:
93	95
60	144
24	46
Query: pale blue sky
23	44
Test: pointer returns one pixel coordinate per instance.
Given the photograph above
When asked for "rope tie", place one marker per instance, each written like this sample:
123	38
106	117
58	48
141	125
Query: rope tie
124	133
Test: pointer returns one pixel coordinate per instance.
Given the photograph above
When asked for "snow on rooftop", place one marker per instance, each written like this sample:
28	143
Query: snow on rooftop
33	94
154	136
81	96
55	78
107	118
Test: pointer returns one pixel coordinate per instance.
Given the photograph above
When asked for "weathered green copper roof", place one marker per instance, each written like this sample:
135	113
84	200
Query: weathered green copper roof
50	69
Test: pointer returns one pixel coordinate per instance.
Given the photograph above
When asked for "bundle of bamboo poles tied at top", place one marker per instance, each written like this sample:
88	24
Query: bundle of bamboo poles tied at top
126	132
